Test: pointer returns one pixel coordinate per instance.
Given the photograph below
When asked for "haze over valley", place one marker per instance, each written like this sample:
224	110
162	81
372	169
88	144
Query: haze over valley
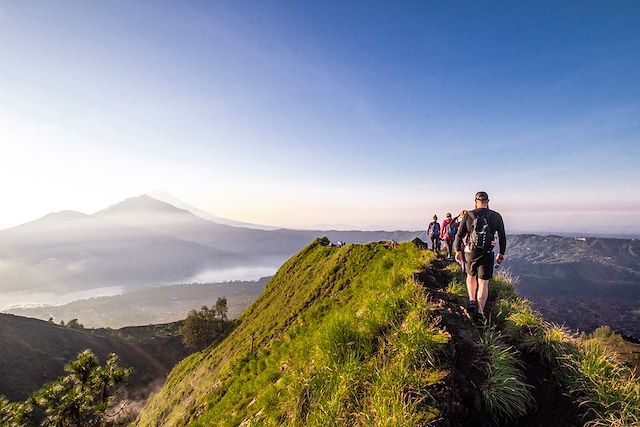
140	243
137	255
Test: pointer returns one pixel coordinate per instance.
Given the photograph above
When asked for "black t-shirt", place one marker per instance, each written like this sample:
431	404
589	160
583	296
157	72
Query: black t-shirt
494	219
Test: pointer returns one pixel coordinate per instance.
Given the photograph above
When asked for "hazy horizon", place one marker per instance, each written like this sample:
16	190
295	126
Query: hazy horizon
348	227
292	115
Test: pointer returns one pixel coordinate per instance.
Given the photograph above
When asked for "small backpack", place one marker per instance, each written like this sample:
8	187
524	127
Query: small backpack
451	230
480	235
435	229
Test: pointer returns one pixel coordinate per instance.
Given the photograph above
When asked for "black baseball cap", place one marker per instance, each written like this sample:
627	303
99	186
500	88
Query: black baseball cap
481	195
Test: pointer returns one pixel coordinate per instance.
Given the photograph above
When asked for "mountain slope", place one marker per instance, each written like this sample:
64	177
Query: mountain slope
375	335
35	352
143	241
581	282
313	288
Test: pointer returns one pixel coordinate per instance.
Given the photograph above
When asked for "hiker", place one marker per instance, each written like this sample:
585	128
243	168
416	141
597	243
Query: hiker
448	234
456	223
433	231
477	233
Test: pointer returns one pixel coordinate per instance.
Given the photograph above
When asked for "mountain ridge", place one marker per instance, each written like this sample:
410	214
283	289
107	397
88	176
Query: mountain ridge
142	241
376	334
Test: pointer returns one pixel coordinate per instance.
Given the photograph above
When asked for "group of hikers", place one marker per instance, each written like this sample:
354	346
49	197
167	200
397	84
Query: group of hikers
472	235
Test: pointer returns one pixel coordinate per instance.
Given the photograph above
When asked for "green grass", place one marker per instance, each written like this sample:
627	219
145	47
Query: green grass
458	289
505	393
346	337
343	336
592	368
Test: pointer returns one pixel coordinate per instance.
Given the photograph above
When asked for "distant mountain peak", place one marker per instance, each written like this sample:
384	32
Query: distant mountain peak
144	203
171	199
66	214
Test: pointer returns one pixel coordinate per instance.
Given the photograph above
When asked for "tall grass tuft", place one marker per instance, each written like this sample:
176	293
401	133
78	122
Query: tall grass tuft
342	341
458	289
503	285
591	368
505	392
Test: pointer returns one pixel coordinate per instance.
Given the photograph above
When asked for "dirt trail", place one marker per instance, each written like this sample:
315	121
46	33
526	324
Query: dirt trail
461	393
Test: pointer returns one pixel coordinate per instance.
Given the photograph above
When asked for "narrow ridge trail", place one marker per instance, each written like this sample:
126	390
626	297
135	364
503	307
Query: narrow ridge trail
461	395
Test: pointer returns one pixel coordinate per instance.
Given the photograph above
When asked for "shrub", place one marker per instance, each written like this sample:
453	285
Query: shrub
13	414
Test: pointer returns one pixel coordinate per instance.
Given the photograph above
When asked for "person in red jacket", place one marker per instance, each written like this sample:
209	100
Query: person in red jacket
448	234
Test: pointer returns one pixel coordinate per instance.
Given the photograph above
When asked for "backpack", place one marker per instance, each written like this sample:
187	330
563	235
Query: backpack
480	234
434	229
451	230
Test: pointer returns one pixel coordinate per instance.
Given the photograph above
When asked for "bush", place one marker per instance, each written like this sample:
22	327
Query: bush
13	414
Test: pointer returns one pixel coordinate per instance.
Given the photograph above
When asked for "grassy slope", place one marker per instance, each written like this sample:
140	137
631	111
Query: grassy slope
345	336
598	370
35	352
339	334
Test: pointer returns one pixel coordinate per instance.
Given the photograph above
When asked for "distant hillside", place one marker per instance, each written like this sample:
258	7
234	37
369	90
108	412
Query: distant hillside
581	282
151	306
140	242
34	352
375	335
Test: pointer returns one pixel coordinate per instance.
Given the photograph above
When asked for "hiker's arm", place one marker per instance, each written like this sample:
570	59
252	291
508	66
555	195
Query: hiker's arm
462	233
502	236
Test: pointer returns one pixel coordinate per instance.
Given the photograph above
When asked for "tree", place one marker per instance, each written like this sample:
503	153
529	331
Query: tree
82	397
201	327
221	308
74	324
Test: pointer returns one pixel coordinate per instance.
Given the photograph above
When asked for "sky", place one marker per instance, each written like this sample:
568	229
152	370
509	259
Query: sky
319	112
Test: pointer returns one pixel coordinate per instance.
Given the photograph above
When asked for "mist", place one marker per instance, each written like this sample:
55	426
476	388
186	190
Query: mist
15	299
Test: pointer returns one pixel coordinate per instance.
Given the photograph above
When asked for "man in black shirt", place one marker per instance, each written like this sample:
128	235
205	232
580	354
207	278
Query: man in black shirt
477	233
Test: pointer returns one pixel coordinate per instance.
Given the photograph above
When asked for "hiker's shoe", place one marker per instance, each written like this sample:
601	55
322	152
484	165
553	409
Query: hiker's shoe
480	318
472	309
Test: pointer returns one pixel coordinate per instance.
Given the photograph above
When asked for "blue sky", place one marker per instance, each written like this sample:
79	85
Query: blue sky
299	113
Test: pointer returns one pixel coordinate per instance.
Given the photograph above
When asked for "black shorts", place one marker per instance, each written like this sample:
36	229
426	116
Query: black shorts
480	265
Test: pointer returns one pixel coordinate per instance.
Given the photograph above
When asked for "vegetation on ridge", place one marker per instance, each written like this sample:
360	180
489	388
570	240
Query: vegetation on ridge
351	336
83	397
340	336
593	370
